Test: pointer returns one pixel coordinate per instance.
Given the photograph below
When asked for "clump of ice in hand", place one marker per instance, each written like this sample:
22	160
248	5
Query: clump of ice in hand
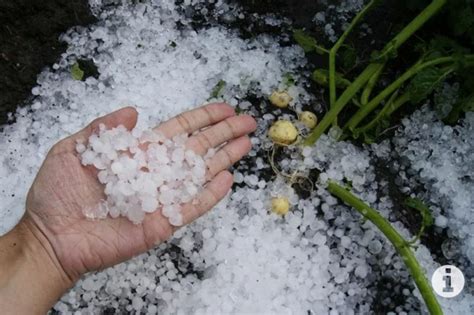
142	172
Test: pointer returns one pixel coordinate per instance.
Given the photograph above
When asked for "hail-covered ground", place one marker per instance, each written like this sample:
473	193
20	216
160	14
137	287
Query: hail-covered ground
321	258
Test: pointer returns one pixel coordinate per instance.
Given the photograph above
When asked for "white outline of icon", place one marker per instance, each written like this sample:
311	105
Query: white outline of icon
448	281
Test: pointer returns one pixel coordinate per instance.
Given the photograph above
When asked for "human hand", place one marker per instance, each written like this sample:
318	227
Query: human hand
64	187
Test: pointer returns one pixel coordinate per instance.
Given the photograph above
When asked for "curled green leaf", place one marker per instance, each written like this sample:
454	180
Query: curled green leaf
76	72
441	46
307	42
348	57
288	80
465	104
425	82
217	90
426	217
321	76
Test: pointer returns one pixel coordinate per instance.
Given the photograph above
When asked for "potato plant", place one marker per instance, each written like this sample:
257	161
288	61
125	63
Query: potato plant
373	102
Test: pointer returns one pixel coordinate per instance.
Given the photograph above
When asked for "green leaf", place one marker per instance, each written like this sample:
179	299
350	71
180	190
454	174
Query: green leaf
441	46
459	20
418	204
348	57
321	76
464	21
76	72
217	90
288	80
371	136
348	184
424	83
384	56
307	42
468	104
465	104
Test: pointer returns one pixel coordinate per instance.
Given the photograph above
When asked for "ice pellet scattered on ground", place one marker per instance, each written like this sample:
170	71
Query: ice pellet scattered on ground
142	172
237	258
443	156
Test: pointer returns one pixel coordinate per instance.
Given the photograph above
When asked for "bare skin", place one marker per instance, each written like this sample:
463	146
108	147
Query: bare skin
54	244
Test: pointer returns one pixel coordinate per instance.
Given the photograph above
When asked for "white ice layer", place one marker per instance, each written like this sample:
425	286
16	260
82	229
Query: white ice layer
319	259
443	158
142	172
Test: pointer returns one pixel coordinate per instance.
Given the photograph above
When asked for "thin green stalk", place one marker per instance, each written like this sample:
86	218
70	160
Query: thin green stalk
341	102
394	104
412	71
387	110
321	49
371	69
417	236
337	45
412	27
400	244
364	99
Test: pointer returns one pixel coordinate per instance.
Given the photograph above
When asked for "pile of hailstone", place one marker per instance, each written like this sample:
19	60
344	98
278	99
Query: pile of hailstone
142	172
318	259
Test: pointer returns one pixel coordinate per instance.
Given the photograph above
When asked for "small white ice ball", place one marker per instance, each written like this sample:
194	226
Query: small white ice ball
149	204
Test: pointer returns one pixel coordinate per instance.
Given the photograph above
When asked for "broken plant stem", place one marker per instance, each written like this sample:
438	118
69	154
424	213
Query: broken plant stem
401	245
412	71
364	99
411	28
341	102
391	106
372	68
418	235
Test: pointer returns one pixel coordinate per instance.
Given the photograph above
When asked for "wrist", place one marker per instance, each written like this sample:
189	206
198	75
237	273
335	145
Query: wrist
31	277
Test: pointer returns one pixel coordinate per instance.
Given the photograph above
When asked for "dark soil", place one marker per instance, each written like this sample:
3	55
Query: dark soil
29	41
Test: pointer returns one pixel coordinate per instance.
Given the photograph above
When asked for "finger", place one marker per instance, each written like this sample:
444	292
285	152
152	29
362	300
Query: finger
193	120
126	116
228	155
156	228
214	192
228	129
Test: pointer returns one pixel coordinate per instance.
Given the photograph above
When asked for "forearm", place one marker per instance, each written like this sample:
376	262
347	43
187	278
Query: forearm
31	279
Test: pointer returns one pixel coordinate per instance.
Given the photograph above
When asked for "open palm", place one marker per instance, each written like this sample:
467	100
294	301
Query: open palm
63	188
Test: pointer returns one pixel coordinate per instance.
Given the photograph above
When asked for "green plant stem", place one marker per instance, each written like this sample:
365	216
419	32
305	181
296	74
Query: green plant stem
413	70
321	50
341	102
372	68
337	45
392	105
364	99
400	244
386	111
417	236
412	27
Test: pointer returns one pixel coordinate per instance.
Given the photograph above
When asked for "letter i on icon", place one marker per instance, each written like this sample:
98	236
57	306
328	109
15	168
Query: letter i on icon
447	281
